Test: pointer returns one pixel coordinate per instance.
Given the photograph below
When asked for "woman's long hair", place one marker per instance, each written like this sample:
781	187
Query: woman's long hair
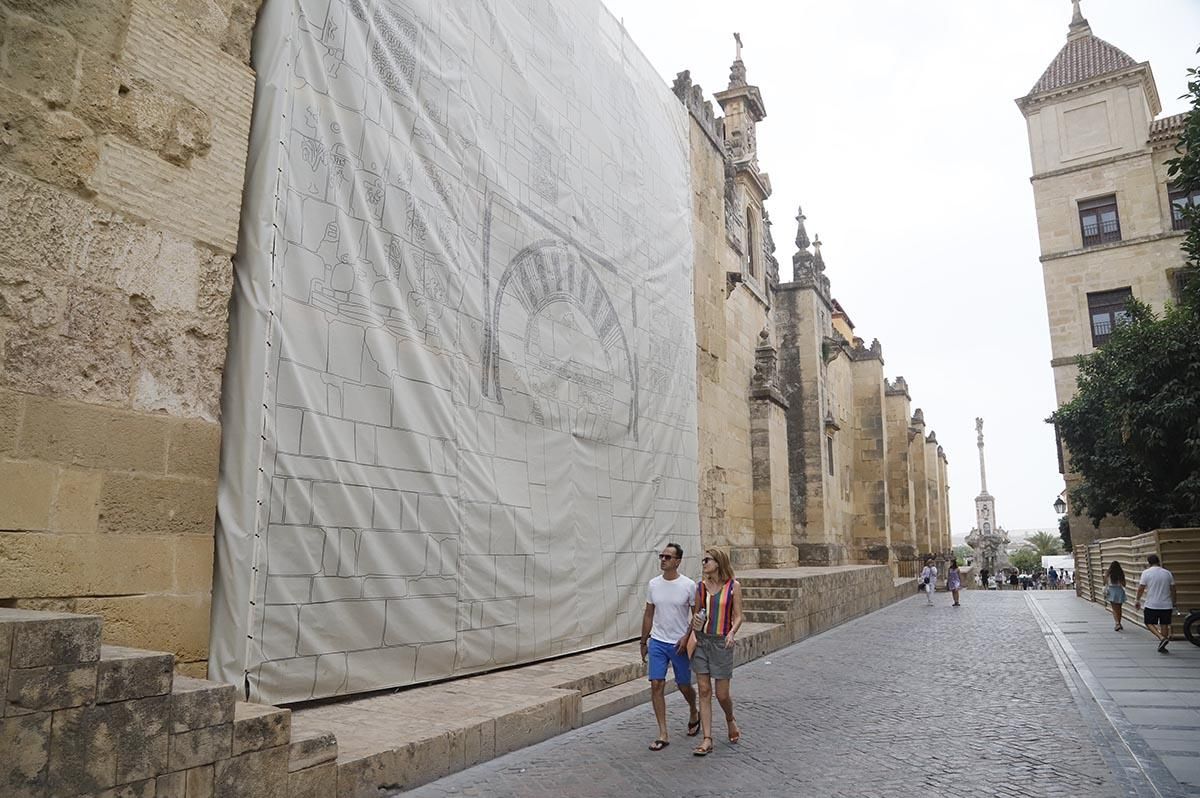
724	568
954	564
1116	574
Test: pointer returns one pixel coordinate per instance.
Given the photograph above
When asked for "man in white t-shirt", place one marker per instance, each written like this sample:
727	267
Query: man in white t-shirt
669	601
1158	584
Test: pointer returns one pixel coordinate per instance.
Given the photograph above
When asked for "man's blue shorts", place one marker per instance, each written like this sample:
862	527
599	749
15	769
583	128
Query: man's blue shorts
659	655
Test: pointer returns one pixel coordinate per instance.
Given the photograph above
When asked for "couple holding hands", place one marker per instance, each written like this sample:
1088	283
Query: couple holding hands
692	627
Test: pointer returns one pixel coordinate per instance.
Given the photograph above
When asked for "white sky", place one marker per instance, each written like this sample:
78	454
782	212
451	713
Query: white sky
893	123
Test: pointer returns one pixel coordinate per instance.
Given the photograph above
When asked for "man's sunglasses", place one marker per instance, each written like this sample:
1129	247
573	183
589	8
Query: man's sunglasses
667	557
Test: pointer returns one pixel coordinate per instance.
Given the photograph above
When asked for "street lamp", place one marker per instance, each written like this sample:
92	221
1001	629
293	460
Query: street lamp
1060	506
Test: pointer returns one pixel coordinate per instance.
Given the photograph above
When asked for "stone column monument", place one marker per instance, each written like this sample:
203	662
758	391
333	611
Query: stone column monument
987	538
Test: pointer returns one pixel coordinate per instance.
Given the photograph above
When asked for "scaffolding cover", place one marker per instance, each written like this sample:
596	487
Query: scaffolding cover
460	405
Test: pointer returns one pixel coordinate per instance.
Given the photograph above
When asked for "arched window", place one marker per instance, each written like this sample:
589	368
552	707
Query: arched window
751	243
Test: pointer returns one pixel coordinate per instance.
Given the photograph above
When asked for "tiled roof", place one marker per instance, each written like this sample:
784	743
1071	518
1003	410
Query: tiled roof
1081	59
1167	127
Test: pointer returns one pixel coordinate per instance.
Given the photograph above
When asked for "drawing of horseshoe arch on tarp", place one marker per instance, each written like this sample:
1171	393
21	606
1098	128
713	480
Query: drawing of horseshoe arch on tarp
577	368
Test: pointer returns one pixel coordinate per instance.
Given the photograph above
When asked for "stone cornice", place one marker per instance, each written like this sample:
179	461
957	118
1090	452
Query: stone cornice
1128	242
1033	102
1066	170
1065	361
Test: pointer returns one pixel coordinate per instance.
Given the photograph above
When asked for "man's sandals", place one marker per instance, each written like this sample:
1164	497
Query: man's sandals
704	749
693	727
658	745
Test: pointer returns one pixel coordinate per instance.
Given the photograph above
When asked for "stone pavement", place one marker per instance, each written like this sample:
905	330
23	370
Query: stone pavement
1152	700
990	698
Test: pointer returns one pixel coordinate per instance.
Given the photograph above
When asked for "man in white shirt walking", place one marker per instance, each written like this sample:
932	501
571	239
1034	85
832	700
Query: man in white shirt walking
669	601
1158	584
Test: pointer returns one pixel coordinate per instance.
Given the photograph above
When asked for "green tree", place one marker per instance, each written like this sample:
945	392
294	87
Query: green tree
1184	172
964	553
1064	532
1025	560
1044	543
1133	427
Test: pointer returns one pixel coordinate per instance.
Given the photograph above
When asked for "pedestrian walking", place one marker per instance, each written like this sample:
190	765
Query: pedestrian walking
983	577
1158	584
1114	592
670	597
1012	580
1052	575
929	580
715	624
954	581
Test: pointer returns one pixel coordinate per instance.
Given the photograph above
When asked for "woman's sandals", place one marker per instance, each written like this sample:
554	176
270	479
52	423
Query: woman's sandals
735	733
704	749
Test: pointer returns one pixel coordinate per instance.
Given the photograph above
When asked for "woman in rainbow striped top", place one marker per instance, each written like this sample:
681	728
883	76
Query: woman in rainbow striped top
716	619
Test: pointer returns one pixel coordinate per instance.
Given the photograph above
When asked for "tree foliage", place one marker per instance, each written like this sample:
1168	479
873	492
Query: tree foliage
1064	532
1133	427
1025	560
1044	543
964	553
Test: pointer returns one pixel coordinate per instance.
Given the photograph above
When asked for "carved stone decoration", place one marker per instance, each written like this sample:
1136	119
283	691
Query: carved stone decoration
735	225
765	382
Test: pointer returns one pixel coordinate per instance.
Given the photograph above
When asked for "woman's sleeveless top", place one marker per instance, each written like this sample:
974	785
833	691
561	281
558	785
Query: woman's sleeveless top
720	609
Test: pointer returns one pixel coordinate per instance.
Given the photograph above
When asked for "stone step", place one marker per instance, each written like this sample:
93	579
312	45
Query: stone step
311	746
753	591
769	604
770	581
258	726
614	700
765	616
127	673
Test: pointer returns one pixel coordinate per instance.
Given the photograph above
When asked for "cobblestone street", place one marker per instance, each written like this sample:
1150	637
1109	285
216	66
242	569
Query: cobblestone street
910	700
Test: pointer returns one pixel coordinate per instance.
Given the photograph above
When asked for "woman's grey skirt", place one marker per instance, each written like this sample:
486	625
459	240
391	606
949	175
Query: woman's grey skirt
712	657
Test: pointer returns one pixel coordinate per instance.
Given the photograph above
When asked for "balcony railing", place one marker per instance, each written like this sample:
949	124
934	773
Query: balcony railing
1101	233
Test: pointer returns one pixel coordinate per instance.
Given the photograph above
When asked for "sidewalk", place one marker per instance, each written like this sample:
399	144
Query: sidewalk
1151	700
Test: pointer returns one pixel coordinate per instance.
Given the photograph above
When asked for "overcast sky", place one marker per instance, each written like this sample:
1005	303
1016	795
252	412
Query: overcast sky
893	123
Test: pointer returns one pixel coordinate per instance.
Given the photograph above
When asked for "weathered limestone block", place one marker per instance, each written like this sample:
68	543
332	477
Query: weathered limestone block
40	61
256	727
315	782
197	703
194	449
132	503
257	774
93	436
171	785
26	494
49	145
309	748
200	782
98	24
127	673
138	789
97	747
204	746
74	565
50	687
24	755
44	638
157	621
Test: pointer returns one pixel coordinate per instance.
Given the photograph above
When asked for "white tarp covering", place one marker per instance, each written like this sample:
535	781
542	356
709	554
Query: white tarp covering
460	407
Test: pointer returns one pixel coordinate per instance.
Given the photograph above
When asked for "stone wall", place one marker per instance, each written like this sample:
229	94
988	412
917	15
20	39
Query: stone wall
744	501
84	719
870	523
123	129
901	517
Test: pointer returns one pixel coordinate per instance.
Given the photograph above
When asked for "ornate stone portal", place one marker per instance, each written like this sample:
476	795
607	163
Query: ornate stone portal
987	538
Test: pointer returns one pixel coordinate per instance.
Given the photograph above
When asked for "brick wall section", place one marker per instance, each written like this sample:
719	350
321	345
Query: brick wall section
123	128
